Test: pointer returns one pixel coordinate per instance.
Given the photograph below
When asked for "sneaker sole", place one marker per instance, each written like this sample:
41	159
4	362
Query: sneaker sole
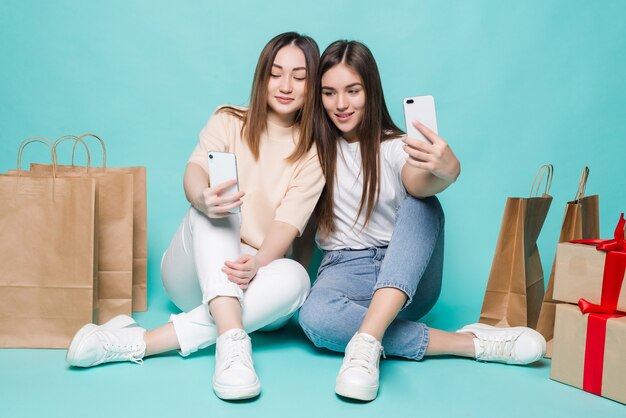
119	321
242	392
361	393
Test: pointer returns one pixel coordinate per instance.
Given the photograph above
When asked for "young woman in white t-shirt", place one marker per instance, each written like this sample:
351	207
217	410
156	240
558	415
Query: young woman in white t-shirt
381	229
228	272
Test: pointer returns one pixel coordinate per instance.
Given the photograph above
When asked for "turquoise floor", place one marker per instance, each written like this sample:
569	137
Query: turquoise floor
298	381
517	84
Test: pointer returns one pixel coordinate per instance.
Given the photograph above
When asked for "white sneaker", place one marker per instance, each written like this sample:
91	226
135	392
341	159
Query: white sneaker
234	376
517	345
120	339
358	376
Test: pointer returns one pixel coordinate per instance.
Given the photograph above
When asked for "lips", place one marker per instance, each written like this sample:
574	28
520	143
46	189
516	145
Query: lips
343	117
284	100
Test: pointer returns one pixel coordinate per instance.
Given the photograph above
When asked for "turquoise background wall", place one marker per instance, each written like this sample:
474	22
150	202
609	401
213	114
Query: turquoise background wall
517	85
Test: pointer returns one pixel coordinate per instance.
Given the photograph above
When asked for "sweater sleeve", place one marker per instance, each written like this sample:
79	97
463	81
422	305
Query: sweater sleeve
215	136
302	195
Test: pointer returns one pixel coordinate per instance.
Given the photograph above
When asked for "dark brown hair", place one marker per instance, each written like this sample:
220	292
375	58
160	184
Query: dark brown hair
375	127
255	117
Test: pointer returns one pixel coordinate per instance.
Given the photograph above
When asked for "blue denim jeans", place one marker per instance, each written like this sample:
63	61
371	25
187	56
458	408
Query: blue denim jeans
347	279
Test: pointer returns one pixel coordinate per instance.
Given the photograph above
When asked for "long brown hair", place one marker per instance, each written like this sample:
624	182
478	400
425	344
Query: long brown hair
255	117
375	128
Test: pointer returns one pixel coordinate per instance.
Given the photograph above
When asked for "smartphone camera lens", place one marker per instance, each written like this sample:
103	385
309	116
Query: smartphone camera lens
409	101
211	156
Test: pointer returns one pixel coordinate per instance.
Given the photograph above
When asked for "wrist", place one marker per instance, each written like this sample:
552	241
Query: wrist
260	260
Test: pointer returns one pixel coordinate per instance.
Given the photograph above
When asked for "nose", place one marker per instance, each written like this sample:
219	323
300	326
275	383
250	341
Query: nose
342	103
286	85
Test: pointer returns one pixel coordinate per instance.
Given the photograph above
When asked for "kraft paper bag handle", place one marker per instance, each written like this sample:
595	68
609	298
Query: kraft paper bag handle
77	140
20	153
582	184
42	140
547	171
104	148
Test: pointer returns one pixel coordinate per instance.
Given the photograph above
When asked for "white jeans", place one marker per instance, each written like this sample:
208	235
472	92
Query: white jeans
192	276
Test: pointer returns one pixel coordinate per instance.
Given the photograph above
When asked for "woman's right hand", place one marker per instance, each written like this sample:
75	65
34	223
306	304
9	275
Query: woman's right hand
213	204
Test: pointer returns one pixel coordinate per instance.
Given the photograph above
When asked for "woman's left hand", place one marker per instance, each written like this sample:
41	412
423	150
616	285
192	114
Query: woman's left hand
242	270
436	157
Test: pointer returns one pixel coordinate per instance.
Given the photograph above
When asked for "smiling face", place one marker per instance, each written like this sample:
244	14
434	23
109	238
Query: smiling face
343	97
286	88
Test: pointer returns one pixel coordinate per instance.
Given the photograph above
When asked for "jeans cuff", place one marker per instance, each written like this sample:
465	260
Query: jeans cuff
423	345
396	285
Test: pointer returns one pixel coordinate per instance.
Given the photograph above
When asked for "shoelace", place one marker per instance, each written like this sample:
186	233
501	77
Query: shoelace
237	353
364	355
497	347
123	352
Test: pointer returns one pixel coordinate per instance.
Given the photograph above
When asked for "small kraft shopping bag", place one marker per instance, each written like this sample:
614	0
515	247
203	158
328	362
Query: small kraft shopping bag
46	257
515	287
114	234
580	221
139	216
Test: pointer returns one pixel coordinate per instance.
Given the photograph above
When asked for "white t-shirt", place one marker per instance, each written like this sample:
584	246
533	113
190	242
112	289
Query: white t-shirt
347	196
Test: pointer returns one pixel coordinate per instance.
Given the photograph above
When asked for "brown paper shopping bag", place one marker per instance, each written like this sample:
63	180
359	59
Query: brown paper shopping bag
580	221
139	241
114	232
46	258
515	288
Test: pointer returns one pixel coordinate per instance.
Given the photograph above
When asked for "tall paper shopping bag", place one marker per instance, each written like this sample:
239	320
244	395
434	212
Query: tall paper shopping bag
139	221
580	221
515	287
47	258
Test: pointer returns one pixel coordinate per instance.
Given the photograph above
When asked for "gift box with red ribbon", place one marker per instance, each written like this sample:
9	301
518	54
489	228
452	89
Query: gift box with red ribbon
593	270
588	351
590	337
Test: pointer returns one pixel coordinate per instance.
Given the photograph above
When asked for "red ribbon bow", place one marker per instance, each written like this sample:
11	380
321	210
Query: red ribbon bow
591	308
616	244
614	265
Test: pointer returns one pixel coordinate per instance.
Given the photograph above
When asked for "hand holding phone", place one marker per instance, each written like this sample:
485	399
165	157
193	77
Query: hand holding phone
222	168
421	109
425	148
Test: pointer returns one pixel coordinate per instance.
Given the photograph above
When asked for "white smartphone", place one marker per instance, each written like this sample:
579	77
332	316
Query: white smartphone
223	167
422	109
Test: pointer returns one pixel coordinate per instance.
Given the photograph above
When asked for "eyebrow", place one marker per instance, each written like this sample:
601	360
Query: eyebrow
348	86
295	69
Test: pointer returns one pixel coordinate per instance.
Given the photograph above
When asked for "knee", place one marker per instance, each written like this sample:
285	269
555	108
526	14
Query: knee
294	279
428	210
428	205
